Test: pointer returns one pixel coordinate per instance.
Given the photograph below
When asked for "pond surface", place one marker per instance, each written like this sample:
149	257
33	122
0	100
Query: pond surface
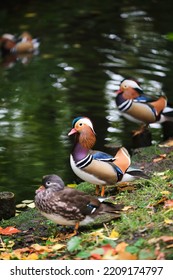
86	49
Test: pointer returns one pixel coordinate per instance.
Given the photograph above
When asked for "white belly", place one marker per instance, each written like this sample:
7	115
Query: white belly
84	175
57	219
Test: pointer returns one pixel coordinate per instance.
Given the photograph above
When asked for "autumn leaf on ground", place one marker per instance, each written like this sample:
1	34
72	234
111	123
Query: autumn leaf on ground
114	234
168	221
164	238
165	192
168	203
127	208
126	186
161	157
32	253
72	185
160	201
106	252
9	230
110	253
122	252
41	248
168	143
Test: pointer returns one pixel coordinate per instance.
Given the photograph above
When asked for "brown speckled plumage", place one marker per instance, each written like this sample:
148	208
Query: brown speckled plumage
69	206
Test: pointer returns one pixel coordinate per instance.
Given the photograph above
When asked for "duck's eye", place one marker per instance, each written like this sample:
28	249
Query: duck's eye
48	182
80	124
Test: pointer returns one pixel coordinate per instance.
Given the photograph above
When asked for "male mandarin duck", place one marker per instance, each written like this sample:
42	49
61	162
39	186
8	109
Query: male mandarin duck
71	207
22	44
97	167
138	107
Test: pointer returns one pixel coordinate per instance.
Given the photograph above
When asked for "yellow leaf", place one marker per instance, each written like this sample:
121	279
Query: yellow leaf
30	15
165	192
168	221
5	256
71	185
114	234
97	233
126	208
57	247
32	256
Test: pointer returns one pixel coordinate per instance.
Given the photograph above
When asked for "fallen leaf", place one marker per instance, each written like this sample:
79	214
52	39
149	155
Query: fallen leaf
165	192
9	230
169	246
164	238
168	203
40	248
123	186
106	252
32	256
31	205
71	185
110	253
162	200
126	208
57	247
97	233
160	174
168	143
21	205
123	254
27	201
114	234
161	157
168	221
127	188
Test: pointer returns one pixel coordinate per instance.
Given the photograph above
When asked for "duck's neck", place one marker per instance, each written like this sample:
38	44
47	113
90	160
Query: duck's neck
79	152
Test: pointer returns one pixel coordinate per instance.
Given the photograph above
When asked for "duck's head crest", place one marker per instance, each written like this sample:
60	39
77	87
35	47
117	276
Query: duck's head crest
128	83
84	120
75	120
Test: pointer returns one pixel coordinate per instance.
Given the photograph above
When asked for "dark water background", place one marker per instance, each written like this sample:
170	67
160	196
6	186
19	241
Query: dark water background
86	49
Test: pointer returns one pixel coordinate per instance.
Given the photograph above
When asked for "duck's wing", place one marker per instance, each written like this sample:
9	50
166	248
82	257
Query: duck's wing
98	155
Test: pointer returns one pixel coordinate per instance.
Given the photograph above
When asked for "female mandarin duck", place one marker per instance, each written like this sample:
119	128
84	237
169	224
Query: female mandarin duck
131	100
67	206
97	167
22	44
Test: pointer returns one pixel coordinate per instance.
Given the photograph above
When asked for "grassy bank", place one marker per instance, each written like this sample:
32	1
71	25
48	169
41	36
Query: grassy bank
144	230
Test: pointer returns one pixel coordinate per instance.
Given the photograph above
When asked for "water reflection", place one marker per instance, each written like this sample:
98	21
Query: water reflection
85	51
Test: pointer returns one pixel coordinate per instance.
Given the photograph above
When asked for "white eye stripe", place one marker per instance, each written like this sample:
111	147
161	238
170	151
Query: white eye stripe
87	122
130	83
